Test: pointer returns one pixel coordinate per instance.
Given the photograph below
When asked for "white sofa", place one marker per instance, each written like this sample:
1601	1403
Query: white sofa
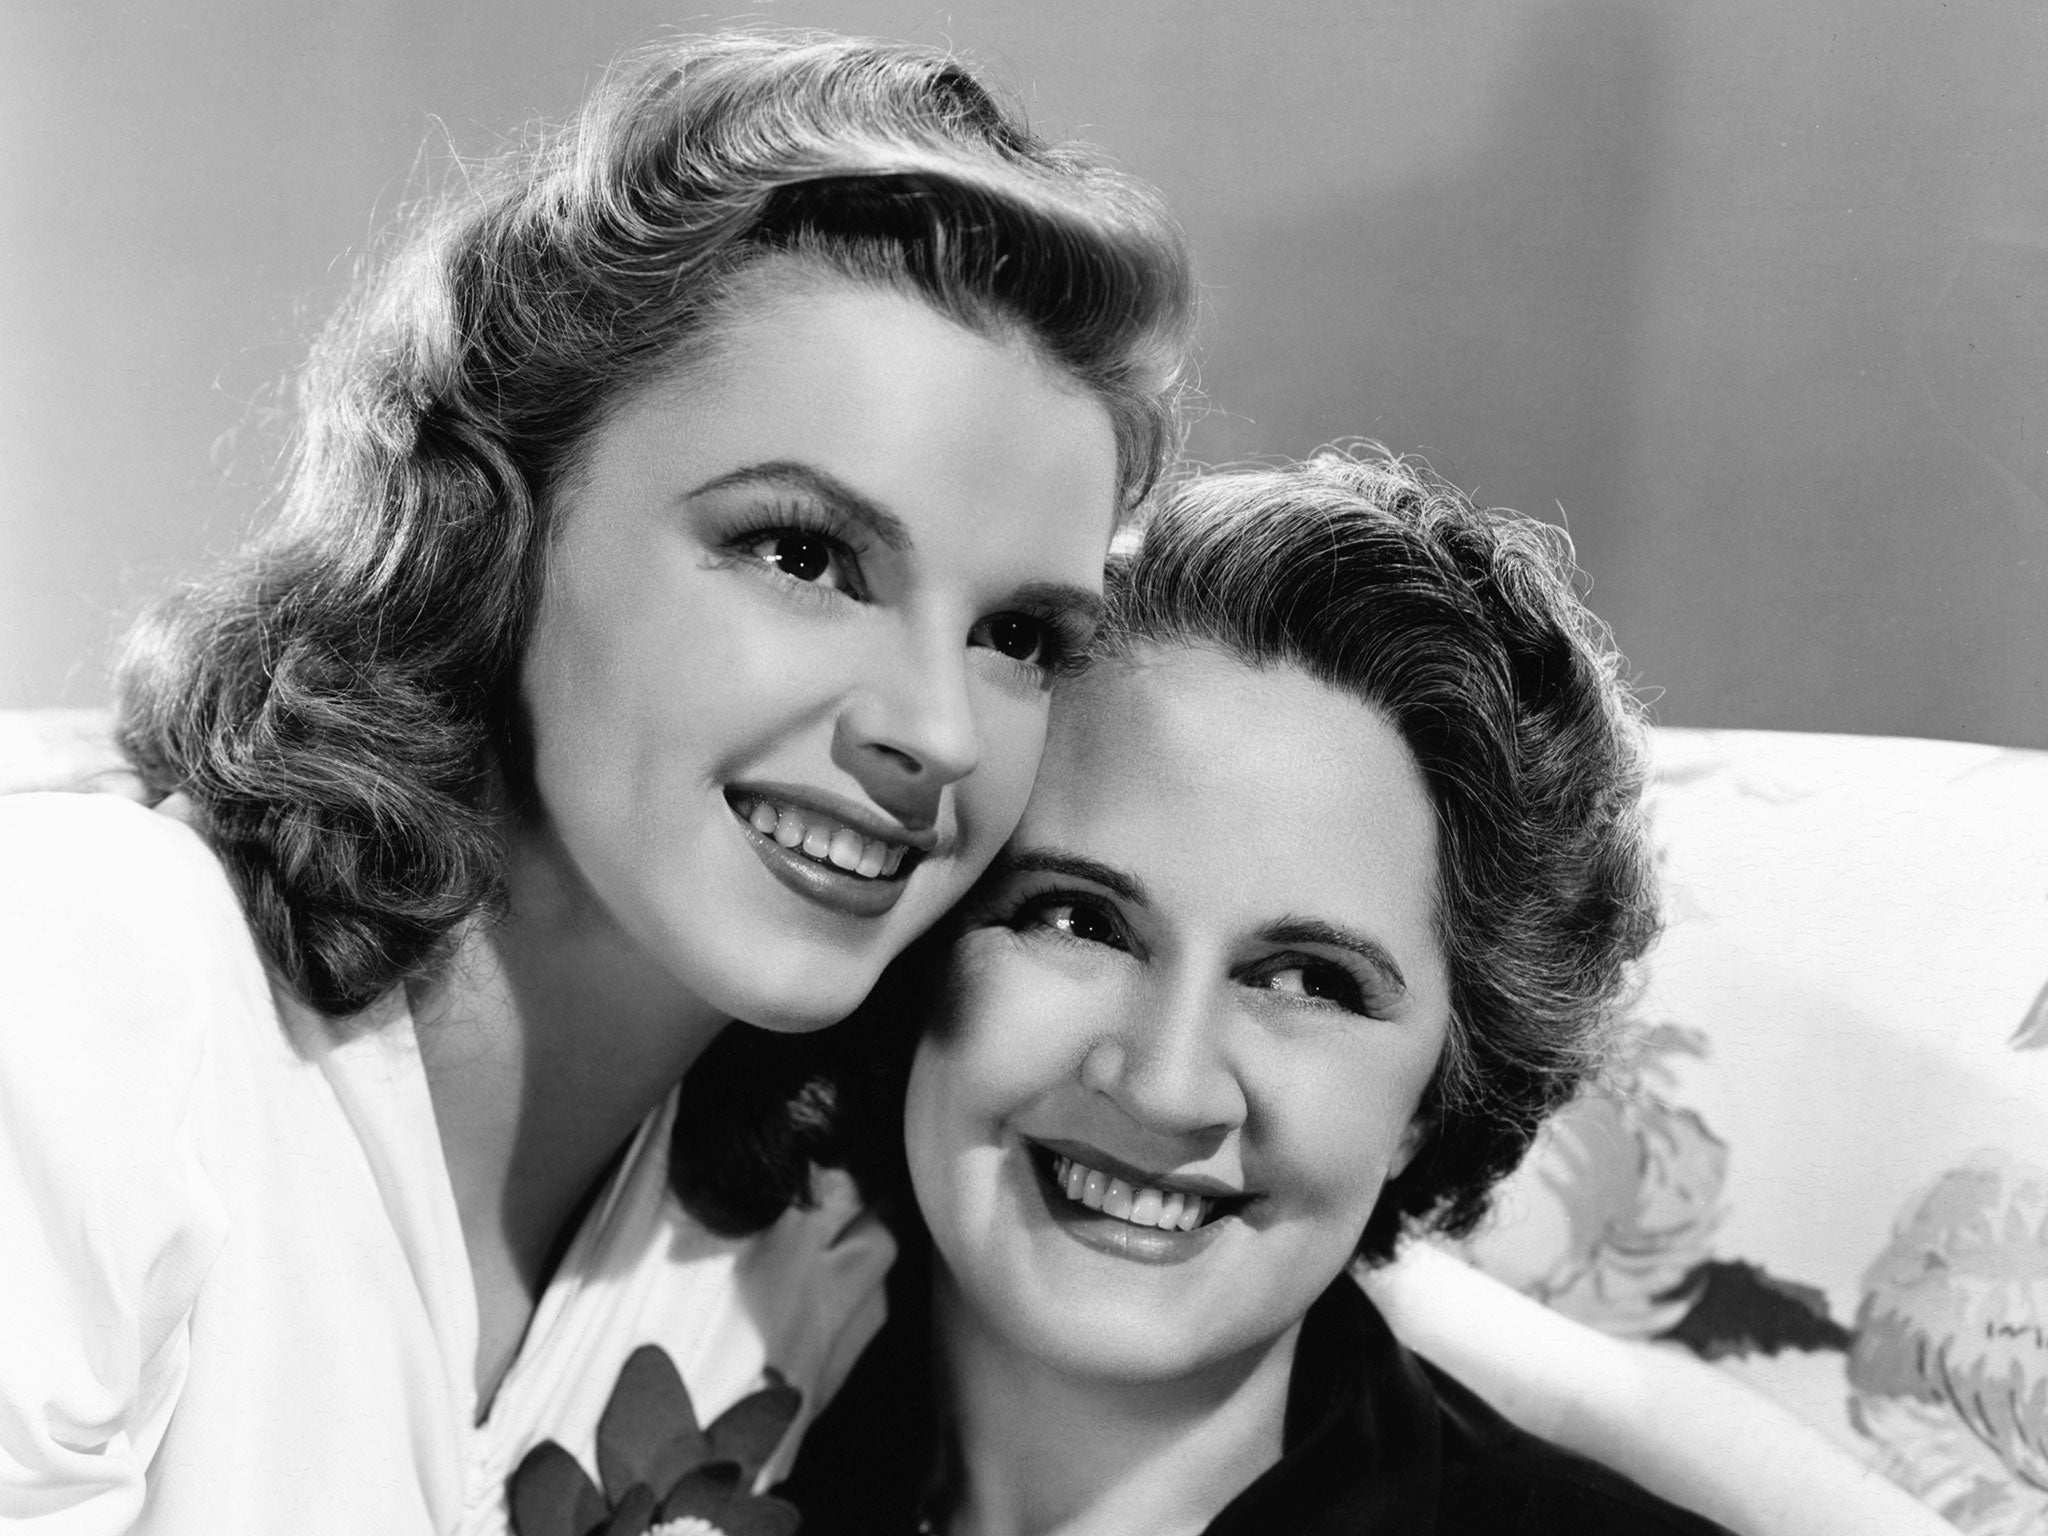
1826	1166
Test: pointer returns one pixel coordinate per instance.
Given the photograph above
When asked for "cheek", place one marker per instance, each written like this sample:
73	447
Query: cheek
992	797
573	728
595	682
986	1053
1344	1128
922	1121
948	1112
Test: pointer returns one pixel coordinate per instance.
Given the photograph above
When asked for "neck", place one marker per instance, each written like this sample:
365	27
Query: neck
548	1037
1041	1452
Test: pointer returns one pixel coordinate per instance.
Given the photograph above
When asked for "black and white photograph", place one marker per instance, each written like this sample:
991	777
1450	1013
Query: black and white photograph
1093	768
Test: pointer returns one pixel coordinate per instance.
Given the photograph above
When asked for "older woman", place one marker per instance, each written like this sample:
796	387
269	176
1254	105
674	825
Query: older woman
1330	886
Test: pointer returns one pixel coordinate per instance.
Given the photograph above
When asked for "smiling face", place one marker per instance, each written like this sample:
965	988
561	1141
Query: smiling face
1189	1021
788	685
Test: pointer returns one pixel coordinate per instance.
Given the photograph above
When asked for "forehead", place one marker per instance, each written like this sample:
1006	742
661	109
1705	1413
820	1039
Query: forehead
1252	790
788	315
990	450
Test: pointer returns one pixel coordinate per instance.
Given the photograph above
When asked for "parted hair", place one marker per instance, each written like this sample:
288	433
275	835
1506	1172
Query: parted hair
339	701
1464	628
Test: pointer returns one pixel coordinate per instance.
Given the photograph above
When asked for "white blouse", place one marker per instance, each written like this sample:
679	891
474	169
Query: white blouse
234	1296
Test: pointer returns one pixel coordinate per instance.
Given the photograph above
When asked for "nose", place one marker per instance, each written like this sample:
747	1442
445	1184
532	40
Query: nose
1167	1065
909	728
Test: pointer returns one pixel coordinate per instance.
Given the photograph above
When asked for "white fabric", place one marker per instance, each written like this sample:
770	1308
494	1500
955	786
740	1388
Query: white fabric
234	1296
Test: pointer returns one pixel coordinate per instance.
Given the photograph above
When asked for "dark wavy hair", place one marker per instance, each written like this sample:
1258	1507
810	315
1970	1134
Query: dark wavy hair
339	703
1463	626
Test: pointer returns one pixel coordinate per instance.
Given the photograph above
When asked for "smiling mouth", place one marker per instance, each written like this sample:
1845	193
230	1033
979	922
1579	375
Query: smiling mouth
817	837
1159	1206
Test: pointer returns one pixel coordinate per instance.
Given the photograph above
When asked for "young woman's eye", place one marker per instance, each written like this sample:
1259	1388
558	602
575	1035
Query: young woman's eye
1018	636
1075	918
1042	646
815	559
1318	981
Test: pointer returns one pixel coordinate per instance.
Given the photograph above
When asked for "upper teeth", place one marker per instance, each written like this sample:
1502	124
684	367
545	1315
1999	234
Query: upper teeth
1141	1205
809	833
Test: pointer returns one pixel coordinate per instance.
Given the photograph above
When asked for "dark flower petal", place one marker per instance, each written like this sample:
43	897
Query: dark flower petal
751	1428
550	1495
633	1513
758	1516
649	1432
704	1492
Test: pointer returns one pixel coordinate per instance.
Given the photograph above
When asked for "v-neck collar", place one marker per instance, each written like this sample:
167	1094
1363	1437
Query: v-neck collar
380	1081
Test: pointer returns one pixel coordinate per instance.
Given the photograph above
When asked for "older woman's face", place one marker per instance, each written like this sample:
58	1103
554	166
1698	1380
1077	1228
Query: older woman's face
1190	1019
789	682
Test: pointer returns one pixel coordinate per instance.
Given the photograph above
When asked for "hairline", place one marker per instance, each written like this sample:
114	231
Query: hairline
758	285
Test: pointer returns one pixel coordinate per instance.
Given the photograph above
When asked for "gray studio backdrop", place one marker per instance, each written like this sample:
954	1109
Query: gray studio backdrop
1752	294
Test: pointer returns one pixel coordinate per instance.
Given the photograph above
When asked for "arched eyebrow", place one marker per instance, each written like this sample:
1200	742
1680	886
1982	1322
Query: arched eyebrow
1311	930
842	498
1049	598
1051	861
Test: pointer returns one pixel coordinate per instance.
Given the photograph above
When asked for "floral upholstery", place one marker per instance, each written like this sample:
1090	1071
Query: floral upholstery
1823	1163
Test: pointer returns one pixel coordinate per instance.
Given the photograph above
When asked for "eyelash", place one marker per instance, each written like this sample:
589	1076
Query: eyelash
1063	639
807	522
1063	636
1354	996
1022	917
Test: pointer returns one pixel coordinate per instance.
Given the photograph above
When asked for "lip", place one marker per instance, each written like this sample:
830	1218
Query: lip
1132	1174
826	884
1106	1234
846	812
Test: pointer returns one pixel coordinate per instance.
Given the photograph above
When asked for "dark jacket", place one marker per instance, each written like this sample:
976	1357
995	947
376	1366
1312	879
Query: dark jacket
1377	1441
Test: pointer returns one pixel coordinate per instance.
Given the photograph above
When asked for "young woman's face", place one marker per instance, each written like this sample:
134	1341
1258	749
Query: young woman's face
1189	1021
788	685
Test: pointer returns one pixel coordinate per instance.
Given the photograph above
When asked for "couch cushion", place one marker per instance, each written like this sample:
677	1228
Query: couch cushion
1824	1163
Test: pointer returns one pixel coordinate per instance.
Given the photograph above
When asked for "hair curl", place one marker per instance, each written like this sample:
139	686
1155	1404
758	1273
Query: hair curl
340	702
1376	577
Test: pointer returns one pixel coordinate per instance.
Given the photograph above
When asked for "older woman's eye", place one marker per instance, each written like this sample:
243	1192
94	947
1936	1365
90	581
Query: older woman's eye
812	558
1314	981
1074	918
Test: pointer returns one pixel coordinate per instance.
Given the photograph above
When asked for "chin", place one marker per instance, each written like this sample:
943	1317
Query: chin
796	988
808	977
1121	1346
801	1009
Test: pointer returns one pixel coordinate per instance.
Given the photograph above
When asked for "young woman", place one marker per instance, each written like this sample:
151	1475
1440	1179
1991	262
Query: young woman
1330	884
686	527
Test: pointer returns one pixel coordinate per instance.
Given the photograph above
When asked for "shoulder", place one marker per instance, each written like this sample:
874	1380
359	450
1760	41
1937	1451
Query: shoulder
99	844
121	950
121	947
100	885
1497	1477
